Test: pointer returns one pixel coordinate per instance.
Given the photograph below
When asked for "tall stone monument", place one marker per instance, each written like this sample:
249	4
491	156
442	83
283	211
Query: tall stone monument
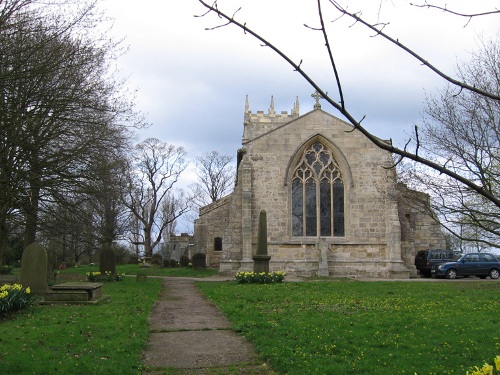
261	259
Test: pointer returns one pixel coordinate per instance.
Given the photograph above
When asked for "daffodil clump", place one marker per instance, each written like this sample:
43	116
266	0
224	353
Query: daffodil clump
93	276
13	297
106	276
487	369
260	278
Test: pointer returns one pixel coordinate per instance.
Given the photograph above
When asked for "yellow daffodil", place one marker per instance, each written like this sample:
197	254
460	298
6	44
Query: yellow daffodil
28	290
497	362
487	369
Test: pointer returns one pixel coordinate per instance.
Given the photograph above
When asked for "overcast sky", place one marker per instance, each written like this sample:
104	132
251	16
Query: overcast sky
193	82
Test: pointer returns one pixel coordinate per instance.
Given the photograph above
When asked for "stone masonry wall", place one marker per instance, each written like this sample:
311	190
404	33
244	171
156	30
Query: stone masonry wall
372	245
419	230
366	203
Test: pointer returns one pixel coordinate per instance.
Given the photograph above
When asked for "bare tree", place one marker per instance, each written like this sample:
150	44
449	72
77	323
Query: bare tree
340	104
68	231
463	133
59	106
216	175
155	169
87	220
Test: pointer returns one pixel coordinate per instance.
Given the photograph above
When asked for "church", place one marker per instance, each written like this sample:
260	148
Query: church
333	204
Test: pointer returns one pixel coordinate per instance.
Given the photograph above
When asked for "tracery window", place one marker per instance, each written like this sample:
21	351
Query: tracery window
317	194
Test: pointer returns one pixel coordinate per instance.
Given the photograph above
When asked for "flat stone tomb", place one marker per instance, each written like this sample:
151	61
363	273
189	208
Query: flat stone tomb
75	292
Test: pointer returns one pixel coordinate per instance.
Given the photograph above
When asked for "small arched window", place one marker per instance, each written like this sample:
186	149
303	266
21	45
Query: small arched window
317	195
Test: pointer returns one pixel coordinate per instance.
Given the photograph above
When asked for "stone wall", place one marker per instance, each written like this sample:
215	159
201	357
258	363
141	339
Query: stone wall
213	222
372	245
420	230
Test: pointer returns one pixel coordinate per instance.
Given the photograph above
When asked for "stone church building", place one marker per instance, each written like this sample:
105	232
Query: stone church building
334	207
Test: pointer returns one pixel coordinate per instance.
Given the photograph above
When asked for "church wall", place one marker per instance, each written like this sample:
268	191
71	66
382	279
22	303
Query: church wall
373	245
212	223
366	204
222	219
365	194
419	231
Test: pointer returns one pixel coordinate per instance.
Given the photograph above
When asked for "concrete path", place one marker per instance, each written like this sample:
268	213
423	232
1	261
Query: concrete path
189	332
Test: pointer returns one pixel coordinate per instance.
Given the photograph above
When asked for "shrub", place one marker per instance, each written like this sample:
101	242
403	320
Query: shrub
122	255
184	261
13	297
156	259
6	270
260	278
106	276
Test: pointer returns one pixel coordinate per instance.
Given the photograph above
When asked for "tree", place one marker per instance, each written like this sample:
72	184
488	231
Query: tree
104	193
59	107
155	169
91	218
463	132
340	103
216	175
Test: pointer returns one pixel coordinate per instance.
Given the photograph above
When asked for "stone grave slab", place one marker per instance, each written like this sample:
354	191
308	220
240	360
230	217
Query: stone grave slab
75	293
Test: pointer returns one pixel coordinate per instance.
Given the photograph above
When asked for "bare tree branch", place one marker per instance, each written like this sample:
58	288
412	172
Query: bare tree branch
330	55
379	31
470	16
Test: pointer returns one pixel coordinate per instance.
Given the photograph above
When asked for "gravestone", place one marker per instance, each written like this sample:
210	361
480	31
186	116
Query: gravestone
199	261
34	268
184	262
107	261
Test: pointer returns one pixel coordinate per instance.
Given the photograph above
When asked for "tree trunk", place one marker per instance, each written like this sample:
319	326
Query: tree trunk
3	237
148	251
31	212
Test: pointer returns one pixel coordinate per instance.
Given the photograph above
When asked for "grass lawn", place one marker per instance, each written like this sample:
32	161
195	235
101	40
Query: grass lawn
81	339
351	327
134	269
320	327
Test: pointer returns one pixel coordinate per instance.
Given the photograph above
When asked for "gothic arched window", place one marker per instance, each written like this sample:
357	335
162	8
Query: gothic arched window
317	195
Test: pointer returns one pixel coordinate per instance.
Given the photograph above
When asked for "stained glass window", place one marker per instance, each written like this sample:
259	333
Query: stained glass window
317	195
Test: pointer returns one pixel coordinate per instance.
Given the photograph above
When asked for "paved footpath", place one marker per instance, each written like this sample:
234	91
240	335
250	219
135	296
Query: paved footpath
189	332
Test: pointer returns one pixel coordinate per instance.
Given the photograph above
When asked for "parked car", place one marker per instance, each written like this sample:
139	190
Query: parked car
425	259
471	264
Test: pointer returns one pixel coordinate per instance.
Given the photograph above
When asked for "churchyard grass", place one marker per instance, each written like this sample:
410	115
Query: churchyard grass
360	327
81	339
134	269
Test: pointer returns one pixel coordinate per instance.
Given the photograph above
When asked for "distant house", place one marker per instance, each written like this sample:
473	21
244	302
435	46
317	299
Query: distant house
332	201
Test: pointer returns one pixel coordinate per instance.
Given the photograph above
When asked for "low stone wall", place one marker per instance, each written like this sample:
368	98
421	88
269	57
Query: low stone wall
9	279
